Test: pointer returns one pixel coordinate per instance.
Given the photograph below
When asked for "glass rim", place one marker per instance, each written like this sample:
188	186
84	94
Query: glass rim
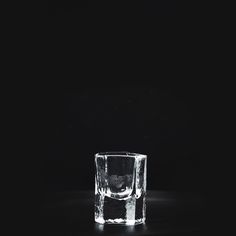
120	154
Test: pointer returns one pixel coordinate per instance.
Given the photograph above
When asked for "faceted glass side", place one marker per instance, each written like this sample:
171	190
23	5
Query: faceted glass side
120	188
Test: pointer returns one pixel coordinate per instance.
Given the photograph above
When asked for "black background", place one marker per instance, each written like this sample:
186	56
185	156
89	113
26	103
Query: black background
167	124
148	8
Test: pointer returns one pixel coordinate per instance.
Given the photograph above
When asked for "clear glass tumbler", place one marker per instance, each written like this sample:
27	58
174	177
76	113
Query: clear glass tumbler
120	188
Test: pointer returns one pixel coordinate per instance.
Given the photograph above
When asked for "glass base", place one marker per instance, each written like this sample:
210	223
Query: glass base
129	211
120	221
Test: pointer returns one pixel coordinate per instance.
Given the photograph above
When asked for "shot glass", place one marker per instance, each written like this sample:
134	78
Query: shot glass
120	188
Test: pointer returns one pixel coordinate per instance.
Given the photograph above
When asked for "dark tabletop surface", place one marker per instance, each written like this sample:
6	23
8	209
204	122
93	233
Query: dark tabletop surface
168	213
